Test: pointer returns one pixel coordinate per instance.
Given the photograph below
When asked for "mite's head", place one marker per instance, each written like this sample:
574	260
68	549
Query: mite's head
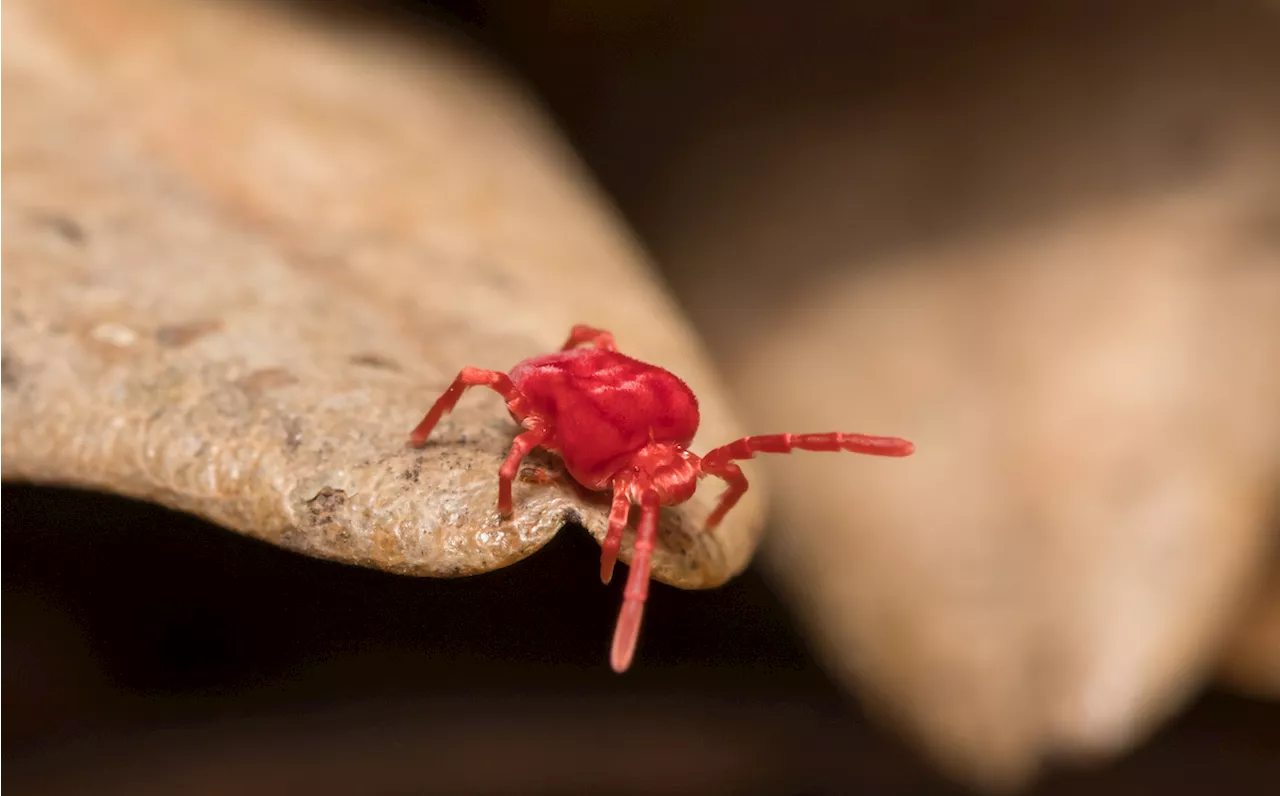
668	469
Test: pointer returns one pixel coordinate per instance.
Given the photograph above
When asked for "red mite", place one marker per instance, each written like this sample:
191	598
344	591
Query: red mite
624	425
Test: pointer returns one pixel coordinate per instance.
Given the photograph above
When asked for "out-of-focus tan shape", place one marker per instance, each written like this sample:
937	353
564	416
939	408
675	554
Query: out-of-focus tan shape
1252	661
1052	262
246	248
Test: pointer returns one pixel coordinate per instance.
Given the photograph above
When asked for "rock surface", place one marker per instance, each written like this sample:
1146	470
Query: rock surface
244	251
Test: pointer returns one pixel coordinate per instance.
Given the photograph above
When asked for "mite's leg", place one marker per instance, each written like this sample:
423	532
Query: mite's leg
627	631
617	524
588	334
732	475
468	377
524	444
540	476
719	462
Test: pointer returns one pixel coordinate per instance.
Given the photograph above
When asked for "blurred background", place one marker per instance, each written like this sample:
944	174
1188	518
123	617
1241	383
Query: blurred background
1041	240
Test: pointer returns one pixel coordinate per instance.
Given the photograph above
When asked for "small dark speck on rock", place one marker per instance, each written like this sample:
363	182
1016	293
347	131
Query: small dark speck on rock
293	433
375	361
184	334
264	379
64	227
10	370
413	472
326	502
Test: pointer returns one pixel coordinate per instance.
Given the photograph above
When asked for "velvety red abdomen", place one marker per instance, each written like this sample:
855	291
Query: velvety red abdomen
605	406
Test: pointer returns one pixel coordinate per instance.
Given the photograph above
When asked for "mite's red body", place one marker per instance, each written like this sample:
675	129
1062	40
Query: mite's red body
623	425
605	406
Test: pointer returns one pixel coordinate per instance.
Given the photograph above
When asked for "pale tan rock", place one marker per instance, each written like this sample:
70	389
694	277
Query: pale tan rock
1052	262
245	249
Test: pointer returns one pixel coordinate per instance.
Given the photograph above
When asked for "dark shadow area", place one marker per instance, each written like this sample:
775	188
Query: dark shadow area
144	647
121	617
171	606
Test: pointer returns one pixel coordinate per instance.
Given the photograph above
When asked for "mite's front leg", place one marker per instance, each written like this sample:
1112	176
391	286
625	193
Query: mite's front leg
618	515
467	378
